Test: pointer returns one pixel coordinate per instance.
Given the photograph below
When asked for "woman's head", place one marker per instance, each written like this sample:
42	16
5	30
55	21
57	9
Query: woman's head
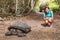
46	9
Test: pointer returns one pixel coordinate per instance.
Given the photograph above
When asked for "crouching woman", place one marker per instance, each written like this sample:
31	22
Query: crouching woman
48	16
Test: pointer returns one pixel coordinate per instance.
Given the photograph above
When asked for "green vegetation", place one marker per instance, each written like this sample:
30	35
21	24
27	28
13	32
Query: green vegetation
53	5
37	5
8	7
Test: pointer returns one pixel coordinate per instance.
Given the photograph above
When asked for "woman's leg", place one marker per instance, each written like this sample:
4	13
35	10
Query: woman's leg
50	22
50	19
45	20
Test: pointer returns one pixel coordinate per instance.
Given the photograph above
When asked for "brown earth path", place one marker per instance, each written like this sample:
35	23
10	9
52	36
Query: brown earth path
38	32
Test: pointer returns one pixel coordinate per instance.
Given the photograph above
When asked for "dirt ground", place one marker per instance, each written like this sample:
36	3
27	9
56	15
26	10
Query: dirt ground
38	32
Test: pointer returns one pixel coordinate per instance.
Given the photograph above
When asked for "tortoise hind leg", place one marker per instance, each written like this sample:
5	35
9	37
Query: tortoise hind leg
20	33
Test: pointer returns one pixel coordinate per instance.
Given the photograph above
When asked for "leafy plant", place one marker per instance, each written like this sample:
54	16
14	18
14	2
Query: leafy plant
53	5
37	5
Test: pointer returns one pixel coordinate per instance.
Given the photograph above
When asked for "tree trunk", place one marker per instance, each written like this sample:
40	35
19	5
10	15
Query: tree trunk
16	6
32	4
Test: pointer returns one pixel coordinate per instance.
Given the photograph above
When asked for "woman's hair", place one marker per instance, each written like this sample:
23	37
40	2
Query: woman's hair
45	9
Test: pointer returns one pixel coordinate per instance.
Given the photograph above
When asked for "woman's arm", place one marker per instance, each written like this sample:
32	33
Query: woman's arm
44	16
52	16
